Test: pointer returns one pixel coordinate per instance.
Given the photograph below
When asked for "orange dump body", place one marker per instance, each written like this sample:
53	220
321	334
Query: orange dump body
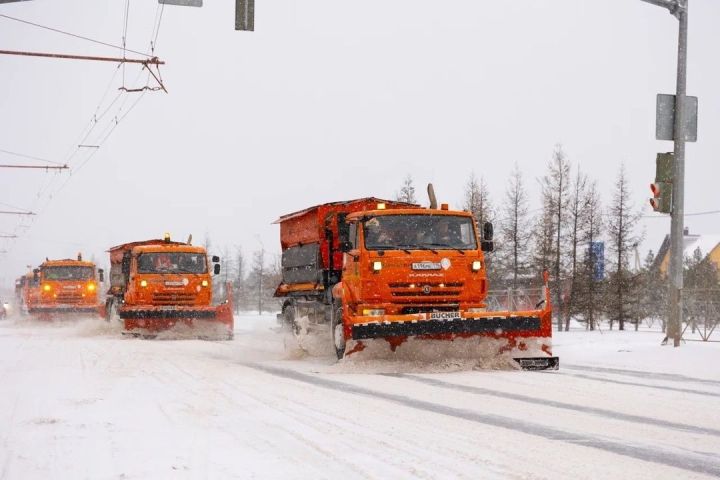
160	285
64	287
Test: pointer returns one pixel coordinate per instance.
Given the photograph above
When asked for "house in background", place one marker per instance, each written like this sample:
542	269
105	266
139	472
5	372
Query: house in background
709	245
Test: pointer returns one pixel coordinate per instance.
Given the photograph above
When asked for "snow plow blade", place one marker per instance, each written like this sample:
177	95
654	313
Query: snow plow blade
511	338
457	326
208	322
539	363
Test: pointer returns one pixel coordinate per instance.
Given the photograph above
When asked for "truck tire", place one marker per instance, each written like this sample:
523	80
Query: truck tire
111	309
337	333
288	315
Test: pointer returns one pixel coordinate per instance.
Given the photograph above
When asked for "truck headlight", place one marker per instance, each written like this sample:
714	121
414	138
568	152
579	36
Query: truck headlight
377	266
205	283
373	312
47	288
91	287
143	283
476	265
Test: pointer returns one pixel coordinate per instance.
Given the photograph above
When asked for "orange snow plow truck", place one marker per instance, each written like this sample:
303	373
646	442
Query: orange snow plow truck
63	287
395	280
162	285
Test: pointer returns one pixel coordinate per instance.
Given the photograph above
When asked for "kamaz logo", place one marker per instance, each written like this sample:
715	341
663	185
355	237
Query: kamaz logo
426	266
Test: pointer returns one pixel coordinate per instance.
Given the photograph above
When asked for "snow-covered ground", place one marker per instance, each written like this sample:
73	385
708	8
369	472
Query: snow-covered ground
79	401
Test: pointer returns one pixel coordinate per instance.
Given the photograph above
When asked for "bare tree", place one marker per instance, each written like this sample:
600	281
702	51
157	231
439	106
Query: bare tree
407	192
515	232
577	216
591	274
256	279
622	222
239	287
477	199
477	202
555	186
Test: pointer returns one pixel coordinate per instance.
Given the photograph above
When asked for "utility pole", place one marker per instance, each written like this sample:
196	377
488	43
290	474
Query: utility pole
678	8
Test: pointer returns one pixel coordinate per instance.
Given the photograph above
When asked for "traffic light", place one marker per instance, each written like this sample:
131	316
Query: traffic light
663	186
662	197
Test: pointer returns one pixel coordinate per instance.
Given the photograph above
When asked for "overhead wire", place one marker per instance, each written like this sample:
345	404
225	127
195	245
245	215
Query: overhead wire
73	35
30	157
74	157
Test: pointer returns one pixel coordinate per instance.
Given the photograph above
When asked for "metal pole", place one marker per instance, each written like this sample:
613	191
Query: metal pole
678	209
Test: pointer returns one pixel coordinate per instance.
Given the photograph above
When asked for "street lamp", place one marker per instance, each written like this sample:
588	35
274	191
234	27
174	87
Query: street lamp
678	8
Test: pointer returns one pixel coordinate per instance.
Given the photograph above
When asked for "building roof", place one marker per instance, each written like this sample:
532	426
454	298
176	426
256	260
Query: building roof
691	242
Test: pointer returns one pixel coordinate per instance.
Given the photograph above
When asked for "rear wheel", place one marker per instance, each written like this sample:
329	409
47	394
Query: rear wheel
112	311
337	332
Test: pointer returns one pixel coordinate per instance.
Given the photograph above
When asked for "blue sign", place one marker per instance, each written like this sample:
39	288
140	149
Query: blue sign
597	257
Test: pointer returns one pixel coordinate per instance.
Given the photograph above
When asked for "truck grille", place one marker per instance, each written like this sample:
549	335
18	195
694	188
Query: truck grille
426	289
69	297
173	298
429	309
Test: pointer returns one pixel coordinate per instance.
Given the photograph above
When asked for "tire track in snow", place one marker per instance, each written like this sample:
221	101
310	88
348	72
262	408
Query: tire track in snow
601	412
693	463
673	377
636	384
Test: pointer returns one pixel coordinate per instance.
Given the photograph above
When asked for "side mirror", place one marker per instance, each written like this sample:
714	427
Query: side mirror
101	275
215	259
36	274
345	247
488	232
216	269
487	246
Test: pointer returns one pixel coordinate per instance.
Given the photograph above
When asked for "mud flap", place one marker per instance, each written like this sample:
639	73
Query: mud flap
539	363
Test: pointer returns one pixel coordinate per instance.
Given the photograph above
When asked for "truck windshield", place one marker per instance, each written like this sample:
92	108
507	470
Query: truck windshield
68	273
172	262
425	232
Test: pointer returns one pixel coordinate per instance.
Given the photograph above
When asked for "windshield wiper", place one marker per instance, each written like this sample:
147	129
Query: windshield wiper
445	245
420	247
391	247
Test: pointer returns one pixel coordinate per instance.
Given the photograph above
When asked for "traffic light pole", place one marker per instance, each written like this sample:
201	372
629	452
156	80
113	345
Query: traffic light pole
678	195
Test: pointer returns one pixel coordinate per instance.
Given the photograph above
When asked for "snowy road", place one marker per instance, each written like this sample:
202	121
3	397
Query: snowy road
78	401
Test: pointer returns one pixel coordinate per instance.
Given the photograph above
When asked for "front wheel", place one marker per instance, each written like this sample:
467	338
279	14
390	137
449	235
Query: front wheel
337	331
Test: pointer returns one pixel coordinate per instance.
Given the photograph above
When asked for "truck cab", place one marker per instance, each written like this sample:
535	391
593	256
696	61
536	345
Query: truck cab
400	262
64	287
157	283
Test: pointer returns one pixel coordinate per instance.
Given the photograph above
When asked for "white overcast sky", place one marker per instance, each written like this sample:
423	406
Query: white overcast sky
330	100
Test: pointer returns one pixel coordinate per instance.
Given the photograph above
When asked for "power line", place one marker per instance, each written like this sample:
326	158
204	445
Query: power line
73	35
30	157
